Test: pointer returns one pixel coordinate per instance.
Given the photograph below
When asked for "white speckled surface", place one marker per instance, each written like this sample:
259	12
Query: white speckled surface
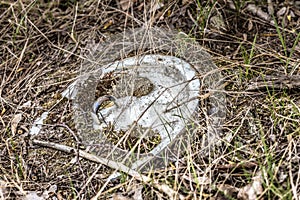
167	108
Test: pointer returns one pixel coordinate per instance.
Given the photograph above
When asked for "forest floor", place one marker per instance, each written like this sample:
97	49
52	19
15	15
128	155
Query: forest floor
255	45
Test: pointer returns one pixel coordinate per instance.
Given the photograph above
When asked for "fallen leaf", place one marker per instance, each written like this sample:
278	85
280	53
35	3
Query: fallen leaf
32	195
38	195
252	190
125	4
27	104
3	189
138	193
227	189
15	122
119	197
156	6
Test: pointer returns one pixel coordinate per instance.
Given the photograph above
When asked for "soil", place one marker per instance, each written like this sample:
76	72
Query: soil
41	46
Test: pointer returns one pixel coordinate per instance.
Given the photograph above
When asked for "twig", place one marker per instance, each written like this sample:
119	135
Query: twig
115	165
275	82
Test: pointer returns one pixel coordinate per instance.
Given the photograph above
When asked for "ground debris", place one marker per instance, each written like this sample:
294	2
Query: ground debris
274	82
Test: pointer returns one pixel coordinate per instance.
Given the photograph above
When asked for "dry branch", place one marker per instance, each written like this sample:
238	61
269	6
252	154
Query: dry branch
274	82
112	164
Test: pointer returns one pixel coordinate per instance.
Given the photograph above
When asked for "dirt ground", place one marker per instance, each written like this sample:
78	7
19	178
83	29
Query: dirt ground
255	45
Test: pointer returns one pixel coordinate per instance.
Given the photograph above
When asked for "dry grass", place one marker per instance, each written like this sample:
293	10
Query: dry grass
40	56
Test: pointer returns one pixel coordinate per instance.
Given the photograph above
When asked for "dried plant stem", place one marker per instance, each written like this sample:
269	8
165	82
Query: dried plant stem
112	164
